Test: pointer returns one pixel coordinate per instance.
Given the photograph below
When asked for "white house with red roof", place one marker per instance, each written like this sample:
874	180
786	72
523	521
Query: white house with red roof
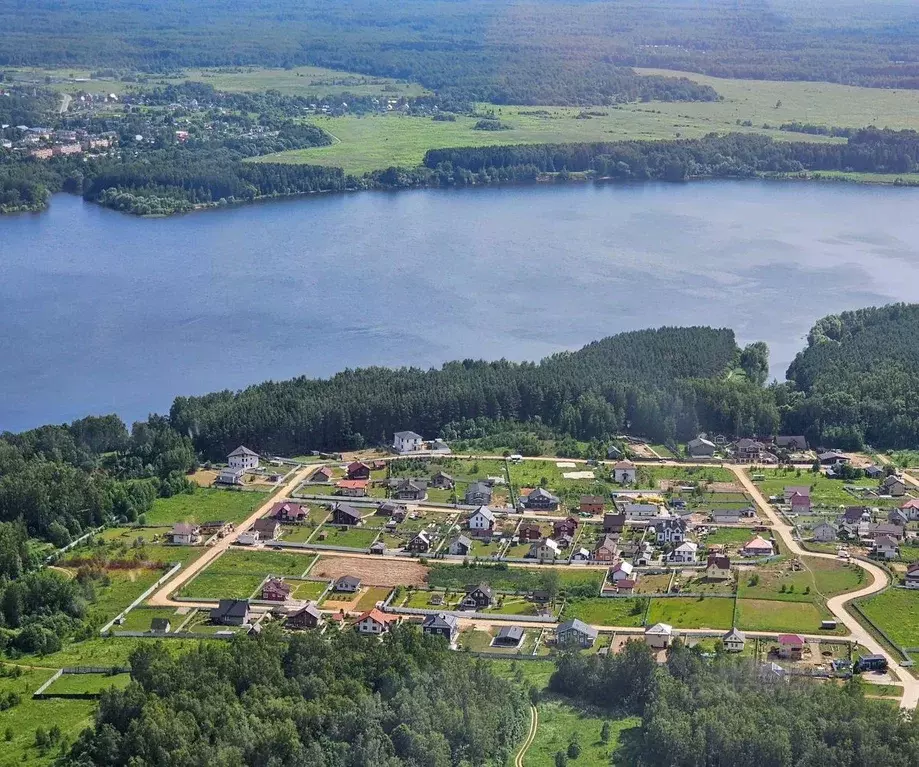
758	547
374	621
791	646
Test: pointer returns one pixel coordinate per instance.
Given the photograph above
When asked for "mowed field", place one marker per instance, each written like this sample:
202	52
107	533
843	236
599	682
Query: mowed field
372	143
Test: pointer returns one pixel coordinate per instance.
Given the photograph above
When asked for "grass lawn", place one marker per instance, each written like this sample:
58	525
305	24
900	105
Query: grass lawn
237	573
559	722
140	617
371	596
896	611
599	611
729	535
824	492
351	537
506	578
823	577
308	589
513	605
70	715
653	584
92	683
205	505
650	476
773	615
125	586
421	600
108	651
692	613
526	673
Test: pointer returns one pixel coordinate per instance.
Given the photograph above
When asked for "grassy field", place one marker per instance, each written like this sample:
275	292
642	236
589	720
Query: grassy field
124	587
205	505
22	720
729	535
773	615
896	612
560	722
352	537
824	491
111	651
307	589
692	613
140	617
507	579
236	574
606	611
87	683
371	596
822	578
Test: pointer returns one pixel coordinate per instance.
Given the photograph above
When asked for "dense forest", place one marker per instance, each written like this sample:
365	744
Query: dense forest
727	713
323	701
543	52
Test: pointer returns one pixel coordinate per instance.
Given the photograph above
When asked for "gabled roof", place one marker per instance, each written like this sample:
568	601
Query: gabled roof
478	487
510	632
184	528
798	497
699	442
608	542
624	465
854	513
593	499
310	609
265	525
483	511
720	561
688	546
277	583
541	493
287	508
579	626
758	542
660	629
441	621
734	636
231	608
351	484
892	479
483	587
622	567
407	435
912	503
376	615
348	510
159	624
348	580
913	569
886	541
791	640
422	536
462	540
242	450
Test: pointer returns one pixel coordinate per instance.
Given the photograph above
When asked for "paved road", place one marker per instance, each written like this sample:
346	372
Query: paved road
161	598
837	604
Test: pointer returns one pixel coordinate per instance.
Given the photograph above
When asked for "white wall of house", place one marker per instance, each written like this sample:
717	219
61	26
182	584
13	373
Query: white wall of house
243	461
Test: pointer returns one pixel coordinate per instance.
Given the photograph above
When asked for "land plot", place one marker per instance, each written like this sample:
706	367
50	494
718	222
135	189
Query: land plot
346	535
609	611
140	618
87	683
818	578
505	578
559	722
896	612
307	589
237	573
375	572
205	505
691	612
778	616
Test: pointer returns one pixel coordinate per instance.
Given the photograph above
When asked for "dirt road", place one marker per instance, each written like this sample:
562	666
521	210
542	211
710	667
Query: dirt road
837	604
531	735
161	598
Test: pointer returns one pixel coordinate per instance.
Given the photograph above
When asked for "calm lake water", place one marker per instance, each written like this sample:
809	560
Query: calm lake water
102	312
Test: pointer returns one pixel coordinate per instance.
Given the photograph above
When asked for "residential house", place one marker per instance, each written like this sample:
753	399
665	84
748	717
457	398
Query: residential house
747	449
886	528
186	534
378	547
613	452
322	475
659	636
670	529
477	494
726	516
308	617
832	458
508	636
460	546
758	547
391	509
800	503
482	520
248	538
885	547
795	490
443	625
545	549
442	481
352	488
231	612
409	490
358	470
625	472
897	517
912	576
734	641
576	633
243	458
581	555
350	584
268	529
276	590
686	553
230	476
478	597
420	544
591	504
911	509
344	514
794	444
825	532
160	625
875	472
854	515
407	442
529	531
700	448
567	526
644	554
289	513
622	571
718	567
540	500
374	622
606	550
640	511
613	524
893	486
791	646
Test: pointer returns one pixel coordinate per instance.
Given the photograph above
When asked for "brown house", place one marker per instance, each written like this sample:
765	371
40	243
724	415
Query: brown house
276	590
358	470
591	504
308	617
567	526
613	523
529	531
343	514
606	550
268	529
289	513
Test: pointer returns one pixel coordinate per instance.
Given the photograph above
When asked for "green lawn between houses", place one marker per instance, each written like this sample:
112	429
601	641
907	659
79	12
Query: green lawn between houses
601	611
692	612
896	612
205	505
237	573
773	615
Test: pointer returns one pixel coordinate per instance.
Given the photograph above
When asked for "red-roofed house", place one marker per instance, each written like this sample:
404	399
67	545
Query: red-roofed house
289	512
276	590
800	503
791	646
353	488
911	509
374	622
758	547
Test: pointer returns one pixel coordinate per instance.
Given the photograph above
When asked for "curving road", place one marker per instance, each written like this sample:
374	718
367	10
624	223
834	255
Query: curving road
531	735
837	604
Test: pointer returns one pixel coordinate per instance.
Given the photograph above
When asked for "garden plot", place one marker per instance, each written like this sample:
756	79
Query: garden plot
773	615
606	611
347	536
238	573
692	612
478	639
205	505
378	572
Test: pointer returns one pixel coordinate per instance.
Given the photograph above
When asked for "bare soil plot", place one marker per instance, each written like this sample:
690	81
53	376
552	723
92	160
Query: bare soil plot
375	572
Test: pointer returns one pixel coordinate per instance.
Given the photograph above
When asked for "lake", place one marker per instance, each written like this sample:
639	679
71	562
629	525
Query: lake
103	312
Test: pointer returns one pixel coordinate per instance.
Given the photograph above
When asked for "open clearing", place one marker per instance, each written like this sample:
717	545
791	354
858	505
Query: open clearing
774	615
237	573
692	612
559	722
610	611
373	572
205	505
896	611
